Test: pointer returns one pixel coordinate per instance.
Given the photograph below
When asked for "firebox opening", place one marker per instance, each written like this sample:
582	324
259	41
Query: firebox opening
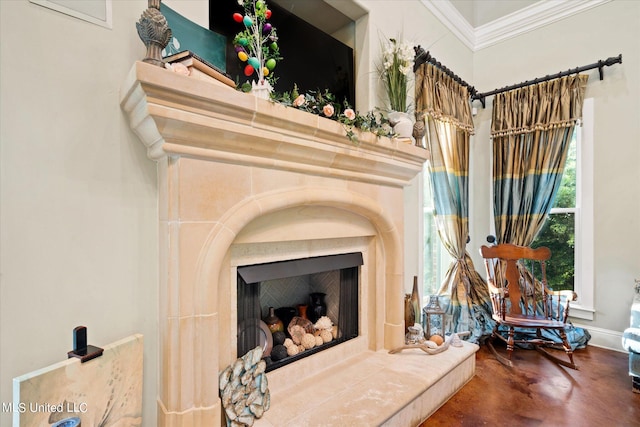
297	293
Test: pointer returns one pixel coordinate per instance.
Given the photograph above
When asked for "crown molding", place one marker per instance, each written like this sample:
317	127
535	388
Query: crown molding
530	18
527	19
453	20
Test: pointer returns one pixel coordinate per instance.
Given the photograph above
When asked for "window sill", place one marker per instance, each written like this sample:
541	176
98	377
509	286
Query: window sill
580	312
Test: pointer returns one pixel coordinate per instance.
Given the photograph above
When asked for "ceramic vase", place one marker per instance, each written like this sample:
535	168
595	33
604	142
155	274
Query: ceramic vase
409	313
261	89
402	124
415	301
302	311
273	322
317	306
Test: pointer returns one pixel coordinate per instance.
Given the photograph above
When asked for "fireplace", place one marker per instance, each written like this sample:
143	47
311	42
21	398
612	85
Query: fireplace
243	182
315	298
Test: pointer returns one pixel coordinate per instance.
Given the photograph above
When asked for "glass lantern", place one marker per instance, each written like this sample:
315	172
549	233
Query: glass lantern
433	318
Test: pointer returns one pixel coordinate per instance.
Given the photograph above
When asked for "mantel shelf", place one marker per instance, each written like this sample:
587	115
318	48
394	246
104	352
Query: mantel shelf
176	115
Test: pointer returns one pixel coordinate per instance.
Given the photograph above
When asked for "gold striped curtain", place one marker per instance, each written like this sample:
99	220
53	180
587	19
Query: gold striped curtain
531	129
447	109
441	97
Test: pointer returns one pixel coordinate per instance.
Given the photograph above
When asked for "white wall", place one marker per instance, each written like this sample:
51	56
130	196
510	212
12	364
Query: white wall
78	212
598	33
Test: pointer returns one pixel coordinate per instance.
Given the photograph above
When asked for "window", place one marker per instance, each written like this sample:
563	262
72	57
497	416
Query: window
568	231
436	259
559	231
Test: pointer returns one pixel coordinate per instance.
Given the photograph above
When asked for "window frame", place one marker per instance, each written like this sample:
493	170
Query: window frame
584	284
443	260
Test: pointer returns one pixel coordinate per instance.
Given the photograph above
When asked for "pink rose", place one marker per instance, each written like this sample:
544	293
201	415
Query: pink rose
350	114
328	110
299	101
179	68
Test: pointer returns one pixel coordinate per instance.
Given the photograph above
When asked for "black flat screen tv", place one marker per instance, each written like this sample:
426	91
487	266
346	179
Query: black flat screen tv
312	59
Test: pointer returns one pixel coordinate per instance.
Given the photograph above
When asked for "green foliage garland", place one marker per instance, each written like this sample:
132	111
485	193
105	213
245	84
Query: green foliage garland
324	104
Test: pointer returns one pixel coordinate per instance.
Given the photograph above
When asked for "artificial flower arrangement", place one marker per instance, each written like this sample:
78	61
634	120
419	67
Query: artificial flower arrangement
257	43
324	104
397	63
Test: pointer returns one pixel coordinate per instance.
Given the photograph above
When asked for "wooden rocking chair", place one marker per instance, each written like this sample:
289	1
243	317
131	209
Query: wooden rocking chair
520	298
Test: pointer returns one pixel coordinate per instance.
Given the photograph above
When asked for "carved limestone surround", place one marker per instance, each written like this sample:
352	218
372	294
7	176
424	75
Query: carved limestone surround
244	180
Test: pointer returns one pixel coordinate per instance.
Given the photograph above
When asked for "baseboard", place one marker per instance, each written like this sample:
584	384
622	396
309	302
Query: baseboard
604	338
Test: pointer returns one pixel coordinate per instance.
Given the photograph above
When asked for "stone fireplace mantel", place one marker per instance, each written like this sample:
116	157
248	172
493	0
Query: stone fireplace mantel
177	116
241	181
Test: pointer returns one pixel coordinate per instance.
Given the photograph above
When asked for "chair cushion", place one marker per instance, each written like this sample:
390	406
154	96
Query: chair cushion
631	340
635	312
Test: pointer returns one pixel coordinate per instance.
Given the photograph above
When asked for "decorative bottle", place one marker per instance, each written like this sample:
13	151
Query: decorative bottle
302	311
273	322
317	306
415	301
409	313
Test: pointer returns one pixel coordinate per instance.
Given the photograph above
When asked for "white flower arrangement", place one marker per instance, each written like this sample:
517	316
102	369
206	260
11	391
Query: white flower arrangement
397	63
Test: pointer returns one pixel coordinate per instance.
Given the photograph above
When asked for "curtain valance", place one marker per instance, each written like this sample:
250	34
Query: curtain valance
543	106
441	97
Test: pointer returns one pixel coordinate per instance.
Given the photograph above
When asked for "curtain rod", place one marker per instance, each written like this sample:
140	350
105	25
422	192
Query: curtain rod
422	57
599	65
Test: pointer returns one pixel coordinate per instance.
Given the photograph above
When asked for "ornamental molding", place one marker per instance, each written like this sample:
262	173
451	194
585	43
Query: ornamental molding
527	19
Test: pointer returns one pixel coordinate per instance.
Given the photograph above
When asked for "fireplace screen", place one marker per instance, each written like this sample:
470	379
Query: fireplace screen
298	307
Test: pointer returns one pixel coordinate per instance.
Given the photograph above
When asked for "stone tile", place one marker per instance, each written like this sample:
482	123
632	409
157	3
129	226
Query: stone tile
208	192
191	242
